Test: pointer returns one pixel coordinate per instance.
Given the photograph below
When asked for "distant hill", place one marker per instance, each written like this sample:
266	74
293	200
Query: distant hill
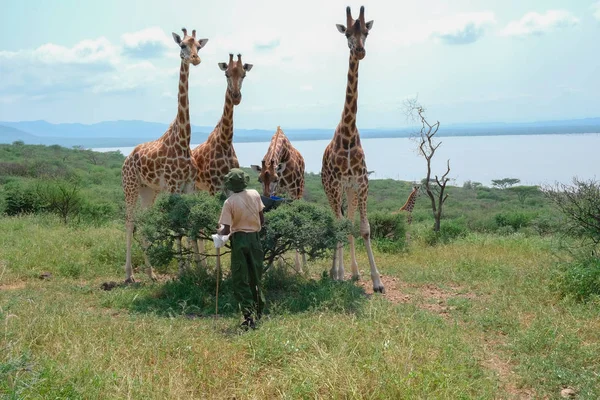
132	132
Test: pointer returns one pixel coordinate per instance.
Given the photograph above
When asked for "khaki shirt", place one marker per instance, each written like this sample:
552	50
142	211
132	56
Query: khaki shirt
241	211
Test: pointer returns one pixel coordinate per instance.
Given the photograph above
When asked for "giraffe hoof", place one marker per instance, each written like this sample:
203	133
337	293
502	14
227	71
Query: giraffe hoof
129	280
379	289
355	278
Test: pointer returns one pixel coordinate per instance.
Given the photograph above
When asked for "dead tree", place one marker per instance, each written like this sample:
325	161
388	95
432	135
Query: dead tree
434	187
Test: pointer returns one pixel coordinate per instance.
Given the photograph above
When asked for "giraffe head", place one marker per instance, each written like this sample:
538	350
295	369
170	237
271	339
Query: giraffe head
356	32
269	174
189	46
235	72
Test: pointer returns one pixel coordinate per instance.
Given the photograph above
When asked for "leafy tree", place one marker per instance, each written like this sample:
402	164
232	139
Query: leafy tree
523	192
310	228
505	182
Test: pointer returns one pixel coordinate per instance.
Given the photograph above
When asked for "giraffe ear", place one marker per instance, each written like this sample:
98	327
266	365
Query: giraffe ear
223	66
369	25
281	167
202	43
341	28
176	37
248	67
255	168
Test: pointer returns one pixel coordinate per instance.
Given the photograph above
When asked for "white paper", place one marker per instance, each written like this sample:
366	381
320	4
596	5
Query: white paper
220	240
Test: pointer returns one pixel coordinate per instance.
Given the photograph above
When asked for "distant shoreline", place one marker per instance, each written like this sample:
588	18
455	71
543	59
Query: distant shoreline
132	133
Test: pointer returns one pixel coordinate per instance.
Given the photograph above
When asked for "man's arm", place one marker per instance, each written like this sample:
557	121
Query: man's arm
262	218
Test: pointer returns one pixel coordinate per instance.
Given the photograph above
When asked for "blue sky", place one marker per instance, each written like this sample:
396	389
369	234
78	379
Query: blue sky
468	61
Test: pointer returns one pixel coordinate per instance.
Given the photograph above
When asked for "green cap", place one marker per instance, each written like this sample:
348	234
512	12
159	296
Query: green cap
236	180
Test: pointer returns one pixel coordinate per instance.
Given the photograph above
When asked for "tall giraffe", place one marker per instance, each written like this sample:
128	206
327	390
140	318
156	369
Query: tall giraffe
344	168
410	204
165	164
215	157
282	172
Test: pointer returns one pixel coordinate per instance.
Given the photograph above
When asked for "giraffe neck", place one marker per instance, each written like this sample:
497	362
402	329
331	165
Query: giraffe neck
410	203
351	103
184	133
278	150
225	126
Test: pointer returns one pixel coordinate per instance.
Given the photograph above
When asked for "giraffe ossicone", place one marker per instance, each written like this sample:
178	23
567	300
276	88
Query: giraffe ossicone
165	164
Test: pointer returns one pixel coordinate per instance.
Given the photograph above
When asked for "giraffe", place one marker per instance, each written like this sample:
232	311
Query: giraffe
281	172
344	168
165	164
410	204
215	157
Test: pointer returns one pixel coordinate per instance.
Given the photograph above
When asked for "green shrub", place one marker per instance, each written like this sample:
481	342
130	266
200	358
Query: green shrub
387	226
579	279
516	220
310	228
449	231
20	198
388	231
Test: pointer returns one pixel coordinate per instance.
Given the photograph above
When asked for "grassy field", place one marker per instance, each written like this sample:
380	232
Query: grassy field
473	319
476	316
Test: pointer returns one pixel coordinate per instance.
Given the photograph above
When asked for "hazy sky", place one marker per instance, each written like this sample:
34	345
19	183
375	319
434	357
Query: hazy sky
467	60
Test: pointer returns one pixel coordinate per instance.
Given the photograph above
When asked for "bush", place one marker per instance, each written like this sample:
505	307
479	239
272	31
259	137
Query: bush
310	228
580	279
516	220
449	231
580	204
388	231
174	216
20	198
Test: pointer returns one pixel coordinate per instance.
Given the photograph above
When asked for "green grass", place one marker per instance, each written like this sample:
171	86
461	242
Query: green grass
490	309
66	338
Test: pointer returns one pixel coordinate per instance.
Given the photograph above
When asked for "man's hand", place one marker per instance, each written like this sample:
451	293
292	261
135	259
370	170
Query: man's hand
224	230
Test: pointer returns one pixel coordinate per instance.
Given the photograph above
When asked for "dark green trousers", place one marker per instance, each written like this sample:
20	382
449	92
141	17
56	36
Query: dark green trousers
246	272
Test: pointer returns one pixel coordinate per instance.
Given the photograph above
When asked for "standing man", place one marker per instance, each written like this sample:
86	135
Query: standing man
242	216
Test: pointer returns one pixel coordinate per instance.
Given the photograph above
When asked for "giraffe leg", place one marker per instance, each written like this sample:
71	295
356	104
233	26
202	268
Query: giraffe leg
147	197
352	203
365	231
131	188
129	278
303	259
337	271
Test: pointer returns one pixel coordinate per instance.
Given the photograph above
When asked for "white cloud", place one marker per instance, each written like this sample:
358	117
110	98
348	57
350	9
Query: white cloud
306	88
97	51
149	42
534	23
93	65
462	28
596	8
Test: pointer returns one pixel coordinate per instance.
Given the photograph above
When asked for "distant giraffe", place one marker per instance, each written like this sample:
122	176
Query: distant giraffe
165	164
282	172
344	168
410	204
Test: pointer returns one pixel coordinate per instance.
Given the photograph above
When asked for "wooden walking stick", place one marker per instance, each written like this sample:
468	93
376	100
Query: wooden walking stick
218	279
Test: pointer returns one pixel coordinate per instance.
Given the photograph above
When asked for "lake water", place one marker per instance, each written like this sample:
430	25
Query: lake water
534	159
